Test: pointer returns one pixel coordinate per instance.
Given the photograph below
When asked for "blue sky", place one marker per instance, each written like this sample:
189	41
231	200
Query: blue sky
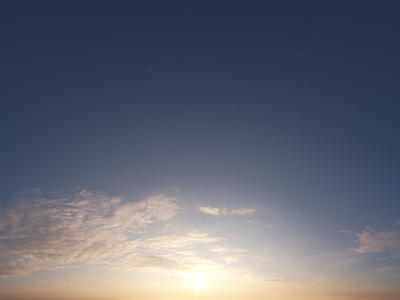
252	144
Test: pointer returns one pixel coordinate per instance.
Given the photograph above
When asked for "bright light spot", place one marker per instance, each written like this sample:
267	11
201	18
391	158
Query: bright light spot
198	280
200	291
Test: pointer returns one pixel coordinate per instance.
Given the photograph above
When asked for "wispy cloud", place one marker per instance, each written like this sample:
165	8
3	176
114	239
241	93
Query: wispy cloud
273	279
373	241
225	212
387	269
224	250
219	249
47	232
322	280
61	229
210	210
176	241
242	211
257	223
192	266
232	258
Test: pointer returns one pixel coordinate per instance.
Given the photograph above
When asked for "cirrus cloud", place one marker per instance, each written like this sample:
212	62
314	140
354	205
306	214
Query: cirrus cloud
72	228
225	212
62	228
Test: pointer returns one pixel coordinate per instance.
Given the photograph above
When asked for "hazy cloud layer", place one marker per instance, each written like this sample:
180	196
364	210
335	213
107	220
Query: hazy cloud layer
225	212
65	228
192	266
79	226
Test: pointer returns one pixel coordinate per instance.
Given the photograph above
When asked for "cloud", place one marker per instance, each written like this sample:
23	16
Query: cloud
219	249
159	262
387	269
175	241
274	279
232	258
210	210
70	228
372	241
323	280
224	211
62	228
242	211
234	253
192	266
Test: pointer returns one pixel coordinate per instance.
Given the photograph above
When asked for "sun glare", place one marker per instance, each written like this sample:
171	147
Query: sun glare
200	291
198	280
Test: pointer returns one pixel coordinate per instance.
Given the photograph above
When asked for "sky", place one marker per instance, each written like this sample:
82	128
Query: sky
199	150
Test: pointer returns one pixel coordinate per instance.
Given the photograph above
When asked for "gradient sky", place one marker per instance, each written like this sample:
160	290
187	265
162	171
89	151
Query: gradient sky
200	149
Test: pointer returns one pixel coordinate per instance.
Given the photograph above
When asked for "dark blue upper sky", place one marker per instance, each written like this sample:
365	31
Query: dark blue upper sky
294	103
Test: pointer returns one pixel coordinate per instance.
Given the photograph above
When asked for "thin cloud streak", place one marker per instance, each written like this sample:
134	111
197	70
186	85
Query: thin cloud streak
387	269
225	212
175	241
